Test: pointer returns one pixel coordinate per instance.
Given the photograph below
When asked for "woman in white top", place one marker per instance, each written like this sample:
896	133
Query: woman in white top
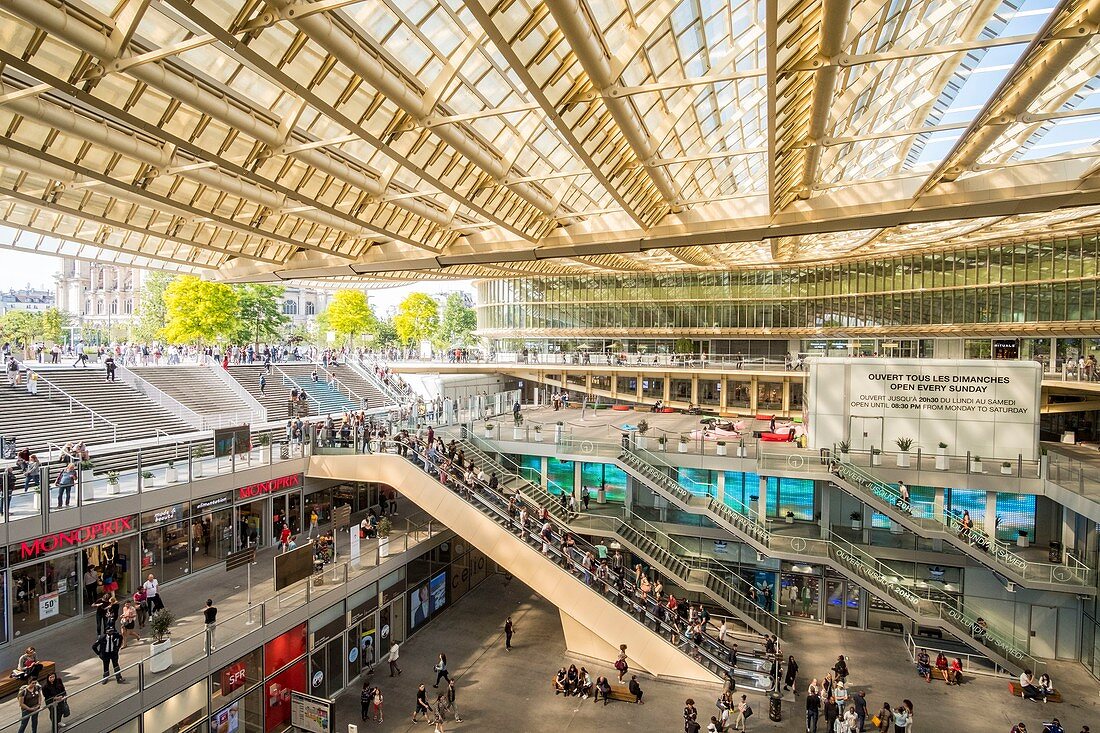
901	719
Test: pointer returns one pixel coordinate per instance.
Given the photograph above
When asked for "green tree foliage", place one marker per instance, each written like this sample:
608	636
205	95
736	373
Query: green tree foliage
349	315
152	314
456	326
260	315
53	325
417	319
198	311
20	327
386	335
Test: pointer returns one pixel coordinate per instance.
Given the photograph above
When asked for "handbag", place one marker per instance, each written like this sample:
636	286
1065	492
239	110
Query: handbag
748	712
875	721
620	665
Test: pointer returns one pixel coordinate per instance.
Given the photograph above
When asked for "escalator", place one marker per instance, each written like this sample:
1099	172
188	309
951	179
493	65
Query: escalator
642	538
596	619
852	561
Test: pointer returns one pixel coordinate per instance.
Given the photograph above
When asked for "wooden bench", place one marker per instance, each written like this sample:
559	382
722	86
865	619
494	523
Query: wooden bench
618	692
10	685
1016	691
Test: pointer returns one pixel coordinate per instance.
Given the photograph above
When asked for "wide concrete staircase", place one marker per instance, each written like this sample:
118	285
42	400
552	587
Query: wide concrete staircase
276	395
78	404
196	388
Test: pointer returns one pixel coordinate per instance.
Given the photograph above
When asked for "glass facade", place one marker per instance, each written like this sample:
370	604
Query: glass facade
1050	281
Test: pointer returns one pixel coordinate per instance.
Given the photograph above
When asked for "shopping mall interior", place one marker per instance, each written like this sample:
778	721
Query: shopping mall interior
787	328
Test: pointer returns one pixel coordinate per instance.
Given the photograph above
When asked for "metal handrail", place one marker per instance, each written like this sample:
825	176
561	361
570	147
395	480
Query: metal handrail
257	409
287	379
162	398
92	412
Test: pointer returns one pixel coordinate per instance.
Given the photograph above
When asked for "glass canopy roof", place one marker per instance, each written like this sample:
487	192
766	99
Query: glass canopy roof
395	139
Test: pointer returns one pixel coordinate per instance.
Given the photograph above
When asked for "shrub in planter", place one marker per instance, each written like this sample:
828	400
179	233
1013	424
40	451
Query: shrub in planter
385	527
112	481
844	446
904	444
789	517
147	478
857	519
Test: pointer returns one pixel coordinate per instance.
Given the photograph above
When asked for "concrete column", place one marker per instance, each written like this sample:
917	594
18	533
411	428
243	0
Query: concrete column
638	386
825	495
721	487
667	384
695	388
990	513
752	397
786	396
723	398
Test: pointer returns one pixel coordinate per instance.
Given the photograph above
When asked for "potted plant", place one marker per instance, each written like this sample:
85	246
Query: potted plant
87	469
720	448
489	429
385	526
146	478
789	516
682	447
857	520
976	464
662	441
160	651
196	461
171	473
844	446
640	440
741	452
264	439
941	457
903	444
1022	538
1006	468
538	433
112	481
876	456
559	429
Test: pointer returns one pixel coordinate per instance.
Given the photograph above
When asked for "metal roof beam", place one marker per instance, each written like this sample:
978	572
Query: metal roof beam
1064	35
504	47
576	24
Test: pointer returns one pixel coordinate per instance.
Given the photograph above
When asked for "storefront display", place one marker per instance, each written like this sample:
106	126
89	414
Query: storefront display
166	543
179	712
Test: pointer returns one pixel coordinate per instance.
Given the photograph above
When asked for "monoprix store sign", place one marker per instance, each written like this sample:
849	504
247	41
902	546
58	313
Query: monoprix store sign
74	538
269	487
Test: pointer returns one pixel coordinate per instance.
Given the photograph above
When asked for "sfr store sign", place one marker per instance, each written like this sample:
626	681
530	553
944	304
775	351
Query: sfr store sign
269	487
89	533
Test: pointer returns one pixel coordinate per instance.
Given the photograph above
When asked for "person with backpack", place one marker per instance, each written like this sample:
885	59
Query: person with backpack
30	704
366	699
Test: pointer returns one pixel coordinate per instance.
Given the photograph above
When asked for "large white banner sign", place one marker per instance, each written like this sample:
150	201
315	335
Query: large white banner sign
989	408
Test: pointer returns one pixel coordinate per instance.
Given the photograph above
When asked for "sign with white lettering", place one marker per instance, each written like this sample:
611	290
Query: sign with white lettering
987	408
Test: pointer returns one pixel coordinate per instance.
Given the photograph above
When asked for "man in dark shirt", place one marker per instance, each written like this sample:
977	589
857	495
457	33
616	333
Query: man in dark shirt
210	618
813	711
860	704
636	690
106	648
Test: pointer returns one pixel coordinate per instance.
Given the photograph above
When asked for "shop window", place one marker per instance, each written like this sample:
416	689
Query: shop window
740	394
769	396
1015	513
613	479
284	649
179	712
559	476
232	680
277	690
165	551
211	538
698	481
244	715
44	593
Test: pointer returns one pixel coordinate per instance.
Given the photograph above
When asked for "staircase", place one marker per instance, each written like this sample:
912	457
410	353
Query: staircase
643	538
1070	577
197	389
80	405
852	561
276	395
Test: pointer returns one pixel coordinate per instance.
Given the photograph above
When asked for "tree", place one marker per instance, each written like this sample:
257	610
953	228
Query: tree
386	335
152	314
52	325
417	319
20	327
198	311
349	315
457	325
260	314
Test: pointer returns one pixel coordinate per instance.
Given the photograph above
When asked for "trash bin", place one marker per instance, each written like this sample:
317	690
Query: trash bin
775	707
1054	554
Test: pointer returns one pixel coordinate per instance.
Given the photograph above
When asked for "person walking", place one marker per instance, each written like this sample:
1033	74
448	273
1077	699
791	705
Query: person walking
152	594
744	712
366	699
30	704
53	690
422	706
129	617
263	391
441	669
394	655
509	629
106	647
621	665
813	712
859	703
451	700
885	718
791	676
210	618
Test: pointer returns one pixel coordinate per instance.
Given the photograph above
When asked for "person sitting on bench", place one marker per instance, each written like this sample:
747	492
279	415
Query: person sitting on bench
942	666
603	687
636	690
559	682
956	672
1046	684
1028	690
572	680
924	665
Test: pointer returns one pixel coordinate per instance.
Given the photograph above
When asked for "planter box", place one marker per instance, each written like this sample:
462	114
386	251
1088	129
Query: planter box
384	547
681	448
537	435
171	475
720	450
941	462
115	488
790	520
160	656
976	467
601	495
876	459
742	451
196	468
1023	541
641	441
857	525
903	460
489	431
517	433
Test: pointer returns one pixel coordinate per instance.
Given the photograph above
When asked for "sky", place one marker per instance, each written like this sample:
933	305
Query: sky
19	269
